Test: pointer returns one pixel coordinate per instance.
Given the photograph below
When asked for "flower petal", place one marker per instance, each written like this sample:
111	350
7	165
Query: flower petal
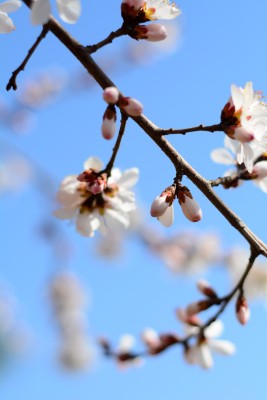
65	213
10	6
222	156
6	24
69	10
41	11
128	178
87	223
214	329
93	162
223	347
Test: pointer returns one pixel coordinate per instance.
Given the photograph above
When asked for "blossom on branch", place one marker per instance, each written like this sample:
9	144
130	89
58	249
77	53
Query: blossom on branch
92	210
150	10
201	352
69	11
228	156
245	120
6	24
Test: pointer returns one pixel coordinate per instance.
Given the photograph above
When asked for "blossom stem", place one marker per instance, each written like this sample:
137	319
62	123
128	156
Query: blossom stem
115	150
12	84
123	30
211	128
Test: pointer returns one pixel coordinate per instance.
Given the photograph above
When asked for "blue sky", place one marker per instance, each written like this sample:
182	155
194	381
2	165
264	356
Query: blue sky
221	43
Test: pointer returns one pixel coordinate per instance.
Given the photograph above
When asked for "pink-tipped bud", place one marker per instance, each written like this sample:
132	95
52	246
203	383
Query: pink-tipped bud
131	106
162	202
111	95
190	207
131	10
197	307
108	127
152	32
242	310
205	288
182	315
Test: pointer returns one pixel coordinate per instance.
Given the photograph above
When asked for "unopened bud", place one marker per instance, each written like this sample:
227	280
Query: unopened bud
111	95
189	206
152	32
131	106
198	306
182	315
108	127
205	288
162	202
242	310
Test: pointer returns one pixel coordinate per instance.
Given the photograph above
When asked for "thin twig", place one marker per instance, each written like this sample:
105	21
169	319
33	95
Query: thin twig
113	35
115	150
12	84
211	128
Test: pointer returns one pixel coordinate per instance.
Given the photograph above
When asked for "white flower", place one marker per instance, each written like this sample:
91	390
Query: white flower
161	9
108	210
69	11
229	157
150	10
245	116
201	352
6	24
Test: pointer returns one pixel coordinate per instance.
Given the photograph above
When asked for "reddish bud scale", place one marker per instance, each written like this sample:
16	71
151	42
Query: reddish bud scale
197	307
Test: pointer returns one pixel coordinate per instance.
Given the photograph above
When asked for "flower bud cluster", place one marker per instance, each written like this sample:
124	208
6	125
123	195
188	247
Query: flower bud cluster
69	307
162	206
131	106
136	12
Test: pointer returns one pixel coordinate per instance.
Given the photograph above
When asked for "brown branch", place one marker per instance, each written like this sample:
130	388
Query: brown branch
211	128
115	150
123	30
12	84
152	131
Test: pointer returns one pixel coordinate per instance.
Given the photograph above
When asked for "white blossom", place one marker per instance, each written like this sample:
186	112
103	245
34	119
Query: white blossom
109	210
161	9
245	116
201	352
6	24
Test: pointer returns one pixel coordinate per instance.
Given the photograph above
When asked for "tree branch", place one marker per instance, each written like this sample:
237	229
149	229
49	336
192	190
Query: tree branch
12	84
152	130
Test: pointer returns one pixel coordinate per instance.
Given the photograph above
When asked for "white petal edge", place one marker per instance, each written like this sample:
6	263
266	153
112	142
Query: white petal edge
10	6
223	347
41	11
129	178
6	24
69	10
93	162
222	156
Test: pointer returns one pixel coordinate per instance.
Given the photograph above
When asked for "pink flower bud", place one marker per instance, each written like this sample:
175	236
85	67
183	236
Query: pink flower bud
242	310
189	206
182	315
108	127
198	306
152	32
205	288
137	4
111	95
133	107
162	202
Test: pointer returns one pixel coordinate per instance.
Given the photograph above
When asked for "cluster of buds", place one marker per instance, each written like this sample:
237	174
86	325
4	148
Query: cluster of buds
131	106
68	302
137	12
162	206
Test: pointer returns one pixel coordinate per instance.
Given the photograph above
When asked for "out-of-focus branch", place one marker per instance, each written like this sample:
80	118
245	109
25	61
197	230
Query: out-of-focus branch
152	130
12	84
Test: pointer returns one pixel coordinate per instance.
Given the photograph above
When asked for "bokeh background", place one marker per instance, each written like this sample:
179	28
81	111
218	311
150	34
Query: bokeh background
183	83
